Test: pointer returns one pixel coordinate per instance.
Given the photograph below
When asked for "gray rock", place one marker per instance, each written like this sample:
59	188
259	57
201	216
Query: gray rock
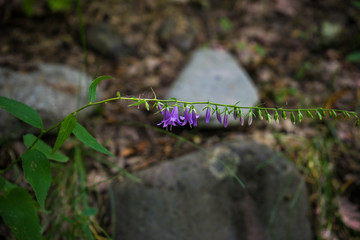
195	197
214	76
51	90
107	42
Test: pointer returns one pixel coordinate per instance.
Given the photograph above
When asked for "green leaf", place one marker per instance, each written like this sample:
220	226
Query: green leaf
18	212
292	117
283	114
37	172
28	6
21	111
92	88
65	130
59	5
90	211
137	103
353	57
118	94
44	148
84	136
357	123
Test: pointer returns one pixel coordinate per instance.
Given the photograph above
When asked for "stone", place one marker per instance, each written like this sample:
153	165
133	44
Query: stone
215	76
103	39
51	89
196	197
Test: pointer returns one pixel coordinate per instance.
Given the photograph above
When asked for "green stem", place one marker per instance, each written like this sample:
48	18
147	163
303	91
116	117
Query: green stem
143	100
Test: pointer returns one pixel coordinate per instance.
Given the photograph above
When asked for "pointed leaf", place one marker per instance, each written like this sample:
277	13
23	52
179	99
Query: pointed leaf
42	147
283	114
37	172
84	136
21	111
18	212
65	130
92	88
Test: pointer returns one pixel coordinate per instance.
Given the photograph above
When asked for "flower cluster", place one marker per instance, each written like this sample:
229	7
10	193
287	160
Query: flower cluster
172	118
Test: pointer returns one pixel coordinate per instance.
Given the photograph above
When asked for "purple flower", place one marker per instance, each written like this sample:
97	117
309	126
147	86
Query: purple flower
189	118
171	118
160	109
207	115
235	114
194	118
218	116
226	120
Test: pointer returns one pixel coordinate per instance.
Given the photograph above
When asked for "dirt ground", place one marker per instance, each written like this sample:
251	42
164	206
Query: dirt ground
295	51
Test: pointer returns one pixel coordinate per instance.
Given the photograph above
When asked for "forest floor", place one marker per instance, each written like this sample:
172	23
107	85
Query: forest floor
296	52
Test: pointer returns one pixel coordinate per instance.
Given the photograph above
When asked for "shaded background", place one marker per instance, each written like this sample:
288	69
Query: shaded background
298	53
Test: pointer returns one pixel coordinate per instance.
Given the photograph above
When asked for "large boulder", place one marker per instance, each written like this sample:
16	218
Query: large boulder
197	197
52	90
215	76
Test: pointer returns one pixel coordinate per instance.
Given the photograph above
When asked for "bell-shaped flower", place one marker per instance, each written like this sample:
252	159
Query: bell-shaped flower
194	117
190	118
226	120
207	115
171	119
218	116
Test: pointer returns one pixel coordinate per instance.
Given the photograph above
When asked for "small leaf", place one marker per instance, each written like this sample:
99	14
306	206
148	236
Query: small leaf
353	57
21	111
84	136
347	115
18	212
92	88
137	103
319	114
37	172
292	116
300	116
44	148
90	211
260	115
118	94
283	114
147	106
357	123
331	114
65	130
309	114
